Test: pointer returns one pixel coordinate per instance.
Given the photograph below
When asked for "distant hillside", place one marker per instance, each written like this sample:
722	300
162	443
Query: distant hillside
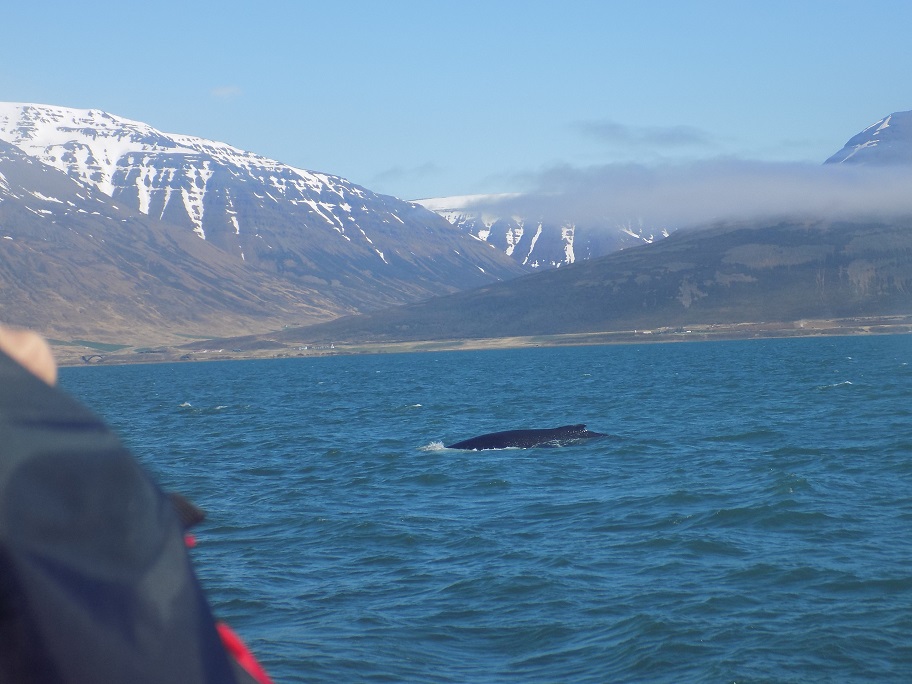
785	271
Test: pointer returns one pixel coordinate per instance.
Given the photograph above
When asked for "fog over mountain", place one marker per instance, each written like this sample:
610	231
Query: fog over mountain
573	213
756	243
686	194
871	175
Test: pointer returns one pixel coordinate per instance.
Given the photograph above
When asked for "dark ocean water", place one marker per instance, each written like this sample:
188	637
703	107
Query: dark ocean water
750	520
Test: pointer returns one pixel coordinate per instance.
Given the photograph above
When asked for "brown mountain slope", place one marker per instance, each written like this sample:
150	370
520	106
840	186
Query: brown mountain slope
73	265
358	250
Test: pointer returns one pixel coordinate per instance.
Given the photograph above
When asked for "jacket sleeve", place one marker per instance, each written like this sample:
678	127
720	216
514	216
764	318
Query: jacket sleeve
95	582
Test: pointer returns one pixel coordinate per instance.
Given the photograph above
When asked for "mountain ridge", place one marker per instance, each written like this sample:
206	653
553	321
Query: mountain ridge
189	235
317	237
772	273
724	274
254	208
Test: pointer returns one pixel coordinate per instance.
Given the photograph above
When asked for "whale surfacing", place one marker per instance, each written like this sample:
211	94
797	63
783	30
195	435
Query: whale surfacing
526	439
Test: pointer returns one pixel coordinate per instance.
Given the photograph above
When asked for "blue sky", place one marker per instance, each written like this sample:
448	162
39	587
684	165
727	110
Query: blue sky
422	99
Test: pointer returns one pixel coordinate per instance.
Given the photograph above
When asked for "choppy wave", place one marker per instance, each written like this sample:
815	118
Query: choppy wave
834	385
433	446
748	527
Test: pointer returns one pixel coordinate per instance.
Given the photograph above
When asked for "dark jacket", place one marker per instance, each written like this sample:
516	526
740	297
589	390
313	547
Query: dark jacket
95	581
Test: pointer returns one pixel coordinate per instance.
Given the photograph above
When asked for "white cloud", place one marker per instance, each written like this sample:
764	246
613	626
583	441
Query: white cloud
677	195
399	174
226	92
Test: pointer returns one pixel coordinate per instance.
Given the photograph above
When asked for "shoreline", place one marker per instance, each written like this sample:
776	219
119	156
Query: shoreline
79	355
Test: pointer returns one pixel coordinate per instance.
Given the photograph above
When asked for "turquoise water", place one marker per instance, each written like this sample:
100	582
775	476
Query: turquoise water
748	520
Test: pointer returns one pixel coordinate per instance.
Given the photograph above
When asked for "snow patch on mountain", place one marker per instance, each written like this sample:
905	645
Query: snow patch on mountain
337	245
550	244
885	142
168	176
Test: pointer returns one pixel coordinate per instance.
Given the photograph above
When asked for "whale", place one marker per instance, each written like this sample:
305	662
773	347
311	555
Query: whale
527	439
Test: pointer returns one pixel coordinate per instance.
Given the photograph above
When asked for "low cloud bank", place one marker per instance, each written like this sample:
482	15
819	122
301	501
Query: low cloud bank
698	193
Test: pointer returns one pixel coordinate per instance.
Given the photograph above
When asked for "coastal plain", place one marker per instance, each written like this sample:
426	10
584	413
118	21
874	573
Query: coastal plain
84	352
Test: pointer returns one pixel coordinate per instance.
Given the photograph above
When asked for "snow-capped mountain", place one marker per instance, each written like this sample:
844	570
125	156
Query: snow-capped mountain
531	241
75	265
364	249
888	141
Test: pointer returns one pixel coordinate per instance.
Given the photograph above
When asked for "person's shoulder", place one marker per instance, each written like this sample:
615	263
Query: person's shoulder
28	401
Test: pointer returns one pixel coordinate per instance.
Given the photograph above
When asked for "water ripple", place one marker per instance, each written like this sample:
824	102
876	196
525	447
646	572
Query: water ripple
748	523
